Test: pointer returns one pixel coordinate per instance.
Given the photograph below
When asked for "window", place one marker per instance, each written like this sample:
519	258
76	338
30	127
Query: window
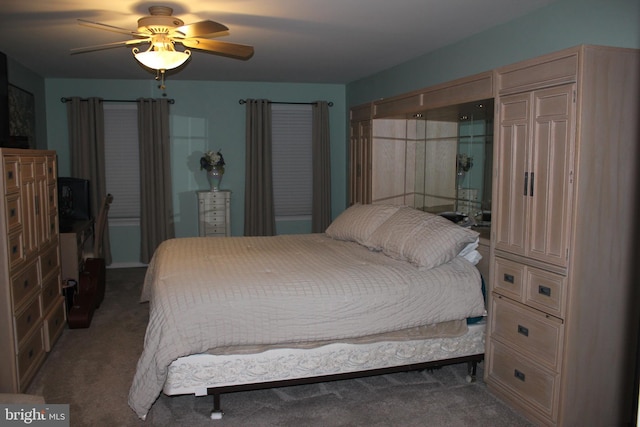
291	160
122	156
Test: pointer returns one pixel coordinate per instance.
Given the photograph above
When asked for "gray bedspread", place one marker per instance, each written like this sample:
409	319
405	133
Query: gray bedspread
213	292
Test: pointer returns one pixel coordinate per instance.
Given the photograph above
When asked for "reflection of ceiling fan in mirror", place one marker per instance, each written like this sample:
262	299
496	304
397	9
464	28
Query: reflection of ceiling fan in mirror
161	31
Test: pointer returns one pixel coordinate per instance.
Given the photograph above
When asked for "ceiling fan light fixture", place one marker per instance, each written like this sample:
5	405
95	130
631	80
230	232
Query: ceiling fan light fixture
162	59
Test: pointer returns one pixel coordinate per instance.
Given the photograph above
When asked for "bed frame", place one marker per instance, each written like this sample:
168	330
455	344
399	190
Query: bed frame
339	361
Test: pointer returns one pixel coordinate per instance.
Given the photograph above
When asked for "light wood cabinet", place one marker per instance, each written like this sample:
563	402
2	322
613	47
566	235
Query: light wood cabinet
534	151
32	314
560	344
214	213
360	128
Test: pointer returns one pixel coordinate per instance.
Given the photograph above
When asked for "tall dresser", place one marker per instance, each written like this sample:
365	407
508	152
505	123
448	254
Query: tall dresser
561	326
214	213
32	314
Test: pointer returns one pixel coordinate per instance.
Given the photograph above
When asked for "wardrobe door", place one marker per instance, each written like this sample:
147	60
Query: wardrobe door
512	180
550	174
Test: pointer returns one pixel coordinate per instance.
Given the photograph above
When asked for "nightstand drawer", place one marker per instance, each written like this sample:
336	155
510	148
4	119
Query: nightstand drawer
509	278
527	330
527	380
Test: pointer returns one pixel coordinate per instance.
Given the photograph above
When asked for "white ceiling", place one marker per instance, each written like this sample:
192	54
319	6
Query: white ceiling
310	41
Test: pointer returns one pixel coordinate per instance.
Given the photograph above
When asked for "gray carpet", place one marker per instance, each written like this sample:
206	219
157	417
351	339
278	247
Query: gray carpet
91	369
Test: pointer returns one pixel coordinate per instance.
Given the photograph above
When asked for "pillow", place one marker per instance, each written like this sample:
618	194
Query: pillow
436	242
421	238
391	236
358	222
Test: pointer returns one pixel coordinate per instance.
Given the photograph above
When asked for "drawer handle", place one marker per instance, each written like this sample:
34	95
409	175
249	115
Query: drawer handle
14	249
13	212
523	331
544	290
10	175
30	353
519	375
25	285
29	319
509	278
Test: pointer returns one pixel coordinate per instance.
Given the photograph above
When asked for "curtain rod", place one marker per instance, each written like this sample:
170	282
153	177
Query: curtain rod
244	101
65	100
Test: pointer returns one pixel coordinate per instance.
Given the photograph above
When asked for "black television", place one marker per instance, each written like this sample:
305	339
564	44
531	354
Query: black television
74	199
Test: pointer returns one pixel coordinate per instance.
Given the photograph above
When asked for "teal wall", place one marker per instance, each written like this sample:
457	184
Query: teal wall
207	115
562	24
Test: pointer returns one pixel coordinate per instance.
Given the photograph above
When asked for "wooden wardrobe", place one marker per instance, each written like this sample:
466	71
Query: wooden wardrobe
562	330
32	314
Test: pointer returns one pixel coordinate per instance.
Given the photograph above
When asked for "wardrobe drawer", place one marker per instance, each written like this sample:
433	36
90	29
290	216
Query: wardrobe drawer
29	357
14	212
27	320
53	226
24	284
11	181
508	279
53	325
527	330
15	243
546	291
49	261
532	383
50	293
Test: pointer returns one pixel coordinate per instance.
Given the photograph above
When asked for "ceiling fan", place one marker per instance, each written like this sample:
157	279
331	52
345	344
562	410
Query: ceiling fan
162	31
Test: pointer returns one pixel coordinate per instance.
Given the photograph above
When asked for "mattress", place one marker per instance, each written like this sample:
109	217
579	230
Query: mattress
207	293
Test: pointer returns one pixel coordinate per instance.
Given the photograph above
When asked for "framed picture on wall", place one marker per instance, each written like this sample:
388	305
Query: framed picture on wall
22	118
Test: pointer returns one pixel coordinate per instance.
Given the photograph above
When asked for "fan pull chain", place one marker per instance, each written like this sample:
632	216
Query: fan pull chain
160	76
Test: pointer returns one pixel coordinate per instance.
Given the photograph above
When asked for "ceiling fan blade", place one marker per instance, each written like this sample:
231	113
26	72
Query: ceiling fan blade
201	29
108	46
107	27
232	50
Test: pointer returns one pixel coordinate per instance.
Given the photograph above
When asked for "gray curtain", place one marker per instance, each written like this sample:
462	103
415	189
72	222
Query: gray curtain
156	205
259	216
85	120
321	158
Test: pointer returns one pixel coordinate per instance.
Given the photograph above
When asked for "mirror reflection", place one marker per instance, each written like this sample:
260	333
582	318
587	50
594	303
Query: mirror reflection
439	161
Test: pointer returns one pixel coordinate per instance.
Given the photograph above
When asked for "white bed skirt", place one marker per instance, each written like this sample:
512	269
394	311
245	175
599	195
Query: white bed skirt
194	374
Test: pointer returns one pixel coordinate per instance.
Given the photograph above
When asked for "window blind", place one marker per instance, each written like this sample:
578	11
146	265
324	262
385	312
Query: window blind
291	160
122	159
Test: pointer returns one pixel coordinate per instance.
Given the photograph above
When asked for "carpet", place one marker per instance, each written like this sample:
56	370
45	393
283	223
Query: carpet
91	370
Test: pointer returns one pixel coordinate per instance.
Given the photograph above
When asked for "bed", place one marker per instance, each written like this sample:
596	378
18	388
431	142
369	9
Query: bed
384	288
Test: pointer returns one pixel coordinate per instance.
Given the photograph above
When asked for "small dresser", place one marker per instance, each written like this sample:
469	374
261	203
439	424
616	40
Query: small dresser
214	213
